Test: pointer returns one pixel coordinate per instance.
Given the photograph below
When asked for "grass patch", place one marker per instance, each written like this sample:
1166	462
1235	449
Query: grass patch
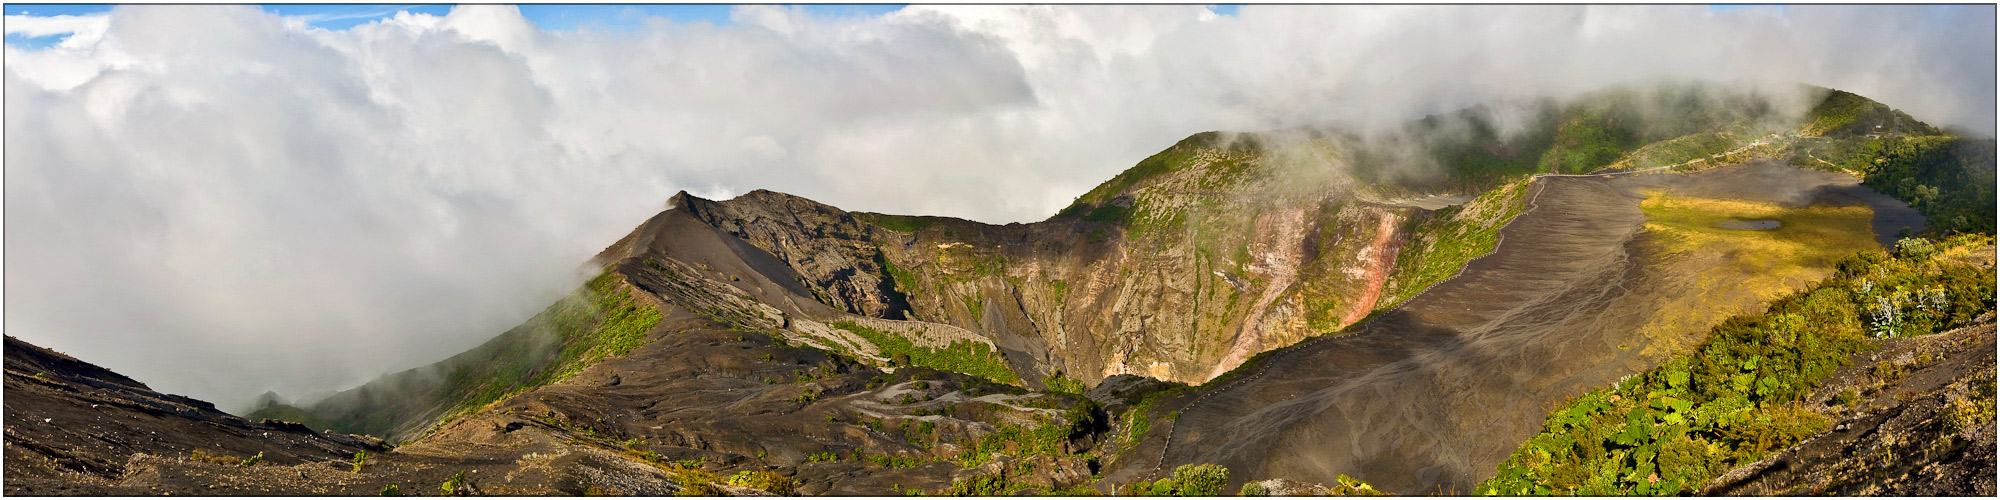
965	356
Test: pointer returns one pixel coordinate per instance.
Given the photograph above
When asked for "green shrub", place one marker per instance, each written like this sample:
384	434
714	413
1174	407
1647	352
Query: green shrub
763	480
392	491
1252	489
457	485
1204	480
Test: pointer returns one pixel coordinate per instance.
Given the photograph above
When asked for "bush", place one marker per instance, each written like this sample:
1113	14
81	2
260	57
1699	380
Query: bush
701	490
1252	489
980	486
1205	480
763	480
457	485
392	491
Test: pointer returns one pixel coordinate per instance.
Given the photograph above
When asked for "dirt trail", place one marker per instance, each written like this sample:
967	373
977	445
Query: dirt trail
1429	397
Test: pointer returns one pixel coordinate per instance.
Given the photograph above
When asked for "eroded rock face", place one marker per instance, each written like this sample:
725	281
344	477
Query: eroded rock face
1224	255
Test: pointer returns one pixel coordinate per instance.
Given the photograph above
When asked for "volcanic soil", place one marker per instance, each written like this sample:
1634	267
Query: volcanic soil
1429	397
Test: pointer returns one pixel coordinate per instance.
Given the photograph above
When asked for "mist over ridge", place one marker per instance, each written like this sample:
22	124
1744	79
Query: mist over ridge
221	201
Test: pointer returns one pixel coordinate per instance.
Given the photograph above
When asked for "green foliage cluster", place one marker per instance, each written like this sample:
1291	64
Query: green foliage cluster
898	462
982	485
1113	214
1056	382
391	491
1046	438
905	280
966	357
1191	480
687	473
1253	489
456	485
903	223
763	480
1949	179
1736	398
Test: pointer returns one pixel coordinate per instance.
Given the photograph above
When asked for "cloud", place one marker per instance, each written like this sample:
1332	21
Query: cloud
221	201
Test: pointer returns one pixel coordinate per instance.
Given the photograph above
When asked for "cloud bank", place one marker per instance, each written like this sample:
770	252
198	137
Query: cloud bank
221	201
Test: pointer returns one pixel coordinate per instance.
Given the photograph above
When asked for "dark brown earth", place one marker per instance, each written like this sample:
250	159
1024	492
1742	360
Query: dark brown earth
1908	421
1430	397
74	428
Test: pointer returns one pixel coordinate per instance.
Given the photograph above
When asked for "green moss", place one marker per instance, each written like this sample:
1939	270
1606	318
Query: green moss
968	357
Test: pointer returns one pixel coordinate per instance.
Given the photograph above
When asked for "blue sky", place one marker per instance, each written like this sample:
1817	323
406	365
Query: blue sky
553	17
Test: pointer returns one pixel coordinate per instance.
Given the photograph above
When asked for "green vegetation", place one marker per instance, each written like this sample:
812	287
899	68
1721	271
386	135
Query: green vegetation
1591	137
903	223
1679	150
1191	480
457	485
763	480
1152	167
687	473
612	323
1253	489
360	459
599	320
1737	397
1949	179
1056	382
1843	114
1444	242
1350	487
965	356
391	491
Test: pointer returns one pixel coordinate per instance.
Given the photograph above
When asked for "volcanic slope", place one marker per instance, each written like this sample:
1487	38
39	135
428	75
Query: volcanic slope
1429	397
1180	268
74	428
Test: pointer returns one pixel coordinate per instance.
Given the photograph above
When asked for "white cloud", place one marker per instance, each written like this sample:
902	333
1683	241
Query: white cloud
222	201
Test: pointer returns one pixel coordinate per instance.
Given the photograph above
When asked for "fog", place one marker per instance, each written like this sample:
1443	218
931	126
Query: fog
220	201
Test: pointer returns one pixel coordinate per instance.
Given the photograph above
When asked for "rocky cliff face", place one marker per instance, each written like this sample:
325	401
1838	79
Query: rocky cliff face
1206	254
